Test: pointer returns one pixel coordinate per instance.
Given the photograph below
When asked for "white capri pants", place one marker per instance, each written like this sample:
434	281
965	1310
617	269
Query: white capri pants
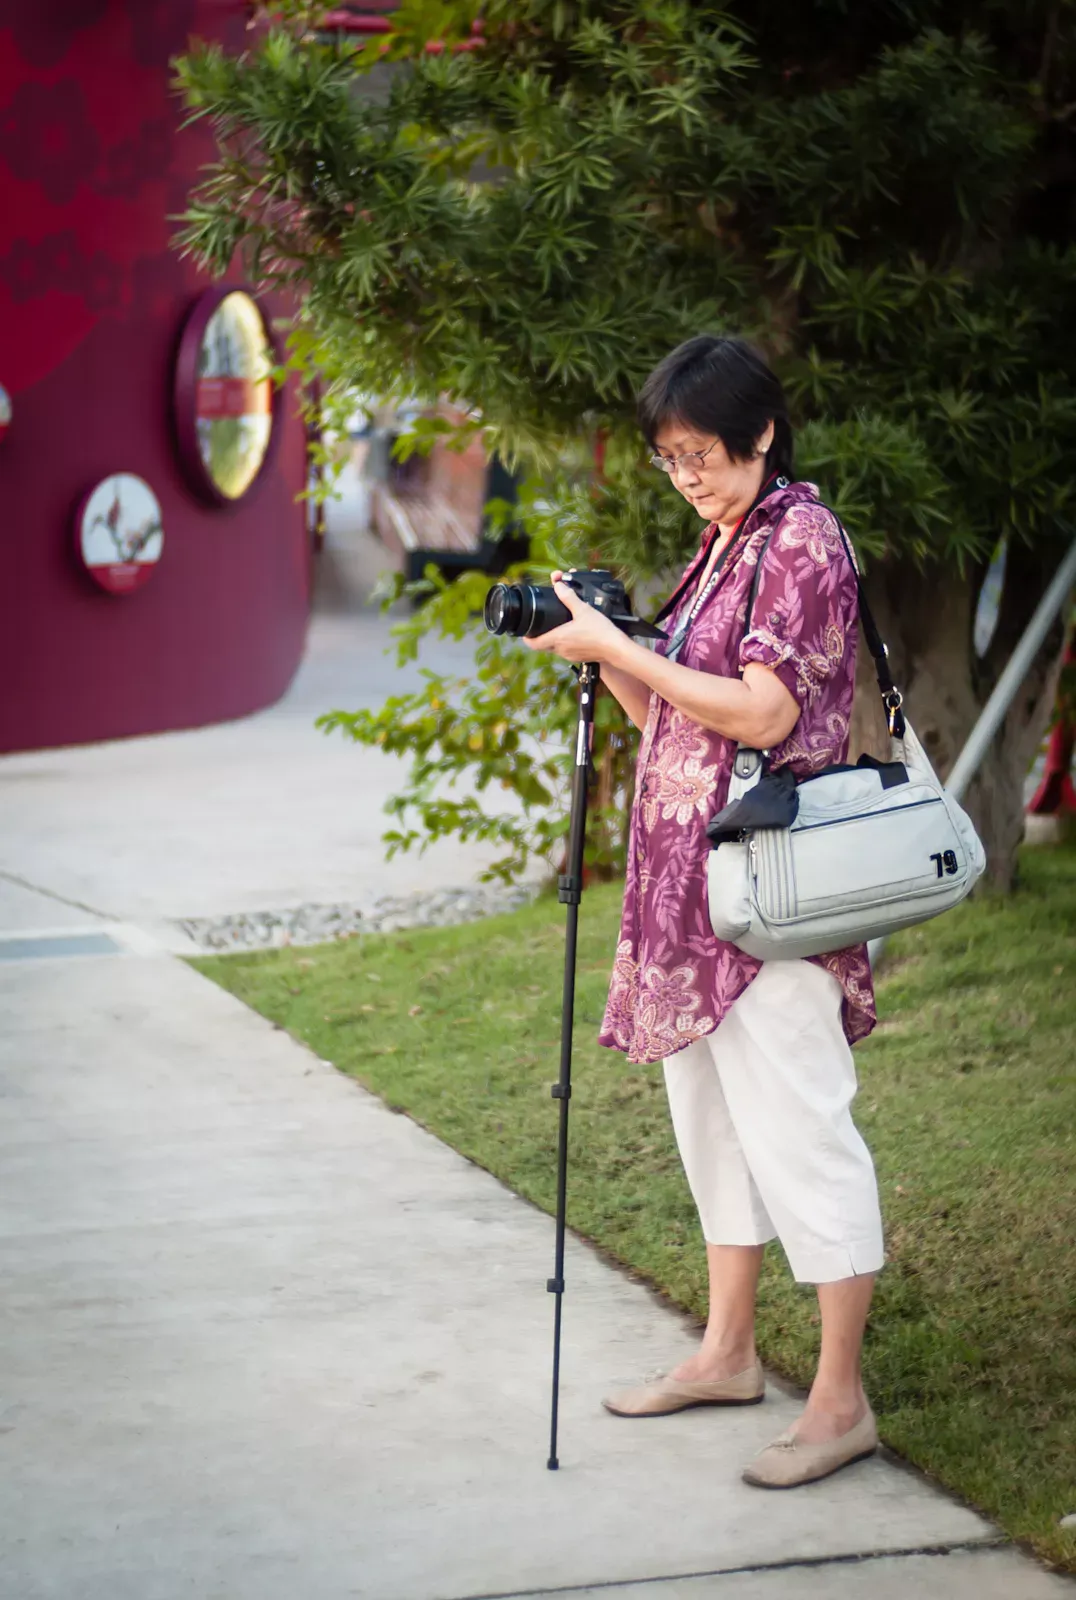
761	1113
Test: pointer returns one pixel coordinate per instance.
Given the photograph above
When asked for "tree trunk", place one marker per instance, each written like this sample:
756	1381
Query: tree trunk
927	619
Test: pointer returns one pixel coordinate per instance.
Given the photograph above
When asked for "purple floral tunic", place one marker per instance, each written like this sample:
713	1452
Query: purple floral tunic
673	981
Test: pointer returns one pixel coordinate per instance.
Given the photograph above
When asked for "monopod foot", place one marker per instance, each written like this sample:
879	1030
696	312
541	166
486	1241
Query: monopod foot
552	1463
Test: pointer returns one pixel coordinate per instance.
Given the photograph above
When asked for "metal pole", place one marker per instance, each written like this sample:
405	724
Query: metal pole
994	712
1005	690
569	893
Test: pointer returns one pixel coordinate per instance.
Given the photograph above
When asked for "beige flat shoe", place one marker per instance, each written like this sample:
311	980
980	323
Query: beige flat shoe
666	1395
786	1463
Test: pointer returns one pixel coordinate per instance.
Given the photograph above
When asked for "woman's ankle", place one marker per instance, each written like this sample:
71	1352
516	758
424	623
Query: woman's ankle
717	1359
845	1401
726	1341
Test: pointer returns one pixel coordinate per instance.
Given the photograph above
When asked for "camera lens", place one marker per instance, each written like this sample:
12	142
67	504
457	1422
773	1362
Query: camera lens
543	610
504	609
523	610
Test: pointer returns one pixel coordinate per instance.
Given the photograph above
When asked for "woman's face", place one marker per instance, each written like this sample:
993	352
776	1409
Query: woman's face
720	489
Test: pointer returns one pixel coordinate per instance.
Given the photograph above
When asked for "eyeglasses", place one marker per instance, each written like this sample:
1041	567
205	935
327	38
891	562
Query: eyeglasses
693	460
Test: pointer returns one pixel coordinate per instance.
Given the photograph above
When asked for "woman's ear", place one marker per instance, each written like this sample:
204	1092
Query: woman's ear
764	441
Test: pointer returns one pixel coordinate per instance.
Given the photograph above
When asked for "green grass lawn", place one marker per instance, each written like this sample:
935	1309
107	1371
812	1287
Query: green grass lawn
967	1098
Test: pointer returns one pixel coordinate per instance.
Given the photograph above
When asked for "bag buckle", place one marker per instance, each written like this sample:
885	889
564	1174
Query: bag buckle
893	701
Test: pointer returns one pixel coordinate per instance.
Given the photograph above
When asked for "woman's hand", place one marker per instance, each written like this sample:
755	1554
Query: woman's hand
587	637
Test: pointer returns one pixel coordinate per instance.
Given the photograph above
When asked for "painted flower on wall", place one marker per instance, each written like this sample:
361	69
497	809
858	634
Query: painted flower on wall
135	161
57	263
46	137
59	260
19	270
43	34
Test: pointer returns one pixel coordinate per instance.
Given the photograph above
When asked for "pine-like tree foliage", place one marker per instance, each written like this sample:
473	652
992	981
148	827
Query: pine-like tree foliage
882	196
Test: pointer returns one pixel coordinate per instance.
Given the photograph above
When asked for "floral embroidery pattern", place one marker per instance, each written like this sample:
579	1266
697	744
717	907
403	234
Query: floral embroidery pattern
673	981
802	528
677	783
663	1002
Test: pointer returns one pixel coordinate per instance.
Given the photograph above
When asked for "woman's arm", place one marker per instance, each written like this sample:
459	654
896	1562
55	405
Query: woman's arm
632	694
757	710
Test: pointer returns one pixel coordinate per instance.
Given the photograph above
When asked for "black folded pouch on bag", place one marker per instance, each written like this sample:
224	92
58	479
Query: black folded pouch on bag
774	801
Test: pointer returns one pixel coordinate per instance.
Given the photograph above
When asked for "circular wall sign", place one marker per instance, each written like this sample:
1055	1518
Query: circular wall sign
5	411
224	394
118	532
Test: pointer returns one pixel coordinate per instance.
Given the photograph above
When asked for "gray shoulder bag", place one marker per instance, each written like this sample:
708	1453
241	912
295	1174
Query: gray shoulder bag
803	866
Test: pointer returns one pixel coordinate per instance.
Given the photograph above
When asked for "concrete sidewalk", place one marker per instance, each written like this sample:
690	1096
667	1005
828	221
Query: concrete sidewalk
257	814
263	1338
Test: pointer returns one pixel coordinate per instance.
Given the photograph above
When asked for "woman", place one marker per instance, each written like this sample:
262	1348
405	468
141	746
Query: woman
757	1061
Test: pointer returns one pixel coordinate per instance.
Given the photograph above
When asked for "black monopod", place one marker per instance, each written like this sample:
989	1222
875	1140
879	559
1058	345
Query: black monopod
523	611
570	892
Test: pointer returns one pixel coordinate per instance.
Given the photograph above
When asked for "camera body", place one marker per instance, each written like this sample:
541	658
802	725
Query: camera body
525	610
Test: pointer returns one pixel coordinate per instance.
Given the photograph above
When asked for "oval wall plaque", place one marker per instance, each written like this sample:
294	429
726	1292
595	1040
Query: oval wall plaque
118	532
224	395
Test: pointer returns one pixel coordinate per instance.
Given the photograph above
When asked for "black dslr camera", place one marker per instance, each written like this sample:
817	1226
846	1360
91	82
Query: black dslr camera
525	610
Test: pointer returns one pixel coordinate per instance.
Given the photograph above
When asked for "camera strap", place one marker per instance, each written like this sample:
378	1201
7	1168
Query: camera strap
773	482
677	640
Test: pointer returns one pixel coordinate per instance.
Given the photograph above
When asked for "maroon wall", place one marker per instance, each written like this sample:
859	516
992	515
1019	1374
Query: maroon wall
92	299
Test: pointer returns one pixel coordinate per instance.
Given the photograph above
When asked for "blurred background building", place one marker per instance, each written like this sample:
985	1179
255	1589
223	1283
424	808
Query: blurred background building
158	565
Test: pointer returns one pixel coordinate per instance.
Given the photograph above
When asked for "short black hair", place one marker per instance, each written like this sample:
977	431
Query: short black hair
723	386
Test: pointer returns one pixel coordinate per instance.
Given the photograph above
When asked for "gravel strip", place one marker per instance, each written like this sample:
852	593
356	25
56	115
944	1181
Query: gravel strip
314	924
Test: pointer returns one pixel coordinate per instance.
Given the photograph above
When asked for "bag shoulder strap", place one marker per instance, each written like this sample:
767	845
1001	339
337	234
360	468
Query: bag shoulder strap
892	699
